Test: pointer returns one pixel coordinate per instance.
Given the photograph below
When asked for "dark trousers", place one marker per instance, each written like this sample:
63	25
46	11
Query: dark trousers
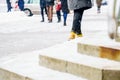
21	7
58	15
9	7
42	12
65	17
77	18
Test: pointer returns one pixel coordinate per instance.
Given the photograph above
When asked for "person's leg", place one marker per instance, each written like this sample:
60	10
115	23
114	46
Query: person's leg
46	11
9	7
76	26
57	13
65	18
42	14
58	16
50	13
21	7
8	2
98	2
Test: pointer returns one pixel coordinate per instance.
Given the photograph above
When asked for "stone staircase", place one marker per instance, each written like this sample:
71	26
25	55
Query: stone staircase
85	57
67	61
25	66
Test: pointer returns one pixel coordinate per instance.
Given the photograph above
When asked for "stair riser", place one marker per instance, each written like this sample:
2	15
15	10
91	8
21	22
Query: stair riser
85	71
109	53
111	75
88	49
82	70
7	75
53	63
98	51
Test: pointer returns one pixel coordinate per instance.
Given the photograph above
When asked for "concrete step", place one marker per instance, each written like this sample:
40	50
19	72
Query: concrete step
25	66
65	58
104	48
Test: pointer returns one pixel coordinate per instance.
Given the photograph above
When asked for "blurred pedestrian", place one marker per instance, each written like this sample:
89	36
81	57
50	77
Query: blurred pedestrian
21	4
78	6
43	7
65	10
98	2
16	6
49	5
58	10
9	7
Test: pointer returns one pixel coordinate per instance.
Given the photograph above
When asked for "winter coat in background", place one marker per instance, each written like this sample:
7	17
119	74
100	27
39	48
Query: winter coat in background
42	3
58	6
64	6
21	4
79	4
49	2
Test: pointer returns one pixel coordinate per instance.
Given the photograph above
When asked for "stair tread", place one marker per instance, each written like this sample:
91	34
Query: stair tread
65	58
68	52
104	42
27	65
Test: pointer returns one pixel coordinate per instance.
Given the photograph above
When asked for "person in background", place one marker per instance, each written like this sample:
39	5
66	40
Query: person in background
16	5
49	5
65	10
21	4
58	10
98	2
9	7
78	7
43	7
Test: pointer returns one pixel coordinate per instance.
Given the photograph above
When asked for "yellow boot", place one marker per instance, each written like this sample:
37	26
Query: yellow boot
78	35
72	36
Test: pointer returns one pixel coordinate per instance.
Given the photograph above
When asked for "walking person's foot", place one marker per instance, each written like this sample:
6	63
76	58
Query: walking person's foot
72	36
58	21
42	20
49	21
65	24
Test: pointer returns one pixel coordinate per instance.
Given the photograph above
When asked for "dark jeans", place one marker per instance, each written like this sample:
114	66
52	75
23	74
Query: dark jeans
21	7
42	12
9	7
65	16
77	18
58	15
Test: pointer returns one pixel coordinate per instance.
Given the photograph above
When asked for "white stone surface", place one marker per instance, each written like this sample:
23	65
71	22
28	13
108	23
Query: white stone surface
27	65
68	52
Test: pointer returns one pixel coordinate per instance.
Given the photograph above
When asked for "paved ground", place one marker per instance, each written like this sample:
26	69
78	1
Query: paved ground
30	34
19	33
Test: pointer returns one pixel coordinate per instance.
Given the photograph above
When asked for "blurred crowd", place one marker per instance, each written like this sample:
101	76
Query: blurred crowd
15	4
62	7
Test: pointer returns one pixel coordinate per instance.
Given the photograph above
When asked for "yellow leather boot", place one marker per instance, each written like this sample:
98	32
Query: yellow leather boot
72	36
78	35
